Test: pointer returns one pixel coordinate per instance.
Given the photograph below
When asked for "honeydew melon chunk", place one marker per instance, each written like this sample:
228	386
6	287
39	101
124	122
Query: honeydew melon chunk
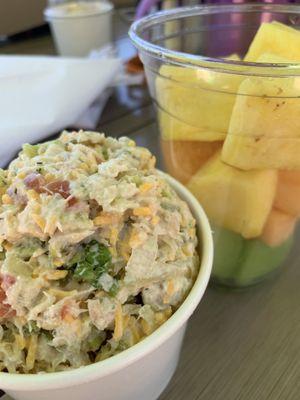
242	262
183	158
259	259
264	129
279	227
234	199
287	198
275	38
227	254
195	103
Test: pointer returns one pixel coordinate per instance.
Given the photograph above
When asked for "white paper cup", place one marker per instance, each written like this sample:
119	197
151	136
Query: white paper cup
79	27
143	371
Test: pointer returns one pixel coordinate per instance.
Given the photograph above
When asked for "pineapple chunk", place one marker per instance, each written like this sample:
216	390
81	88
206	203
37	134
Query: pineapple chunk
183	158
264	130
195	103
172	128
250	153
235	199
233	57
275	38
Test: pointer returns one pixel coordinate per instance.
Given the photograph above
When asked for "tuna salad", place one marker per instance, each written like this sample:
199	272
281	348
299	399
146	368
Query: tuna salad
96	252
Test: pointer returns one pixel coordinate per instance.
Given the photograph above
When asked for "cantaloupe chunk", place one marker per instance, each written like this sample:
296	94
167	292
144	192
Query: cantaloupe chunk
275	38
279	227
195	103
235	199
264	130
183	158
287	198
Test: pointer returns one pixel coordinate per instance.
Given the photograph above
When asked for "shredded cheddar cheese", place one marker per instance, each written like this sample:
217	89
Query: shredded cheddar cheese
61	294
32	194
50	177
20	340
56	274
147	328
21	175
8	246
118	332
6	199
170	287
85	167
142	212
51	225
145	187
135	239
155	220
31	353
106	219
39	221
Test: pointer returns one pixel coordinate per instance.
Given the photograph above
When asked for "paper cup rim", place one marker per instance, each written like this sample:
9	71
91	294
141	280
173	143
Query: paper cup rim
49	13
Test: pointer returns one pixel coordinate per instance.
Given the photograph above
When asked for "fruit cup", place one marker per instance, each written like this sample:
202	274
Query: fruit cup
226	84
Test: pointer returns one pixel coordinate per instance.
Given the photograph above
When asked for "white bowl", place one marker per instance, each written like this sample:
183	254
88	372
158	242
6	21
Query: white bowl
143	371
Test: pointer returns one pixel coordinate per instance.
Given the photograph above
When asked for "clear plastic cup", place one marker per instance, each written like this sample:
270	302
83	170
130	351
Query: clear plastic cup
229	121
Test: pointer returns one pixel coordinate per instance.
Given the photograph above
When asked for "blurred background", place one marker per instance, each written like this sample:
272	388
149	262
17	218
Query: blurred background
18	16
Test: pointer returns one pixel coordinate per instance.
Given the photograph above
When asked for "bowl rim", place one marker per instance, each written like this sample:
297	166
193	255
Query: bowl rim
219	64
57	380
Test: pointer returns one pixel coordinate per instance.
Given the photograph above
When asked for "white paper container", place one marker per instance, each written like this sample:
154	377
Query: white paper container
78	28
139	373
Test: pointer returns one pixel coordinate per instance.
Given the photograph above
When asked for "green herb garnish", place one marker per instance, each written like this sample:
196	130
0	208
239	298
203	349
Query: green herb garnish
30	150
48	334
95	260
169	206
105	153
95	340
30	327
114	289
2	177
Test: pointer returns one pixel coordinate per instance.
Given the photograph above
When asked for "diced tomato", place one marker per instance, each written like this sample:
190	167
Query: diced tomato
35	181
38	183
64	311
5	309
66	314
72	201
60	187
2	295
7	281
